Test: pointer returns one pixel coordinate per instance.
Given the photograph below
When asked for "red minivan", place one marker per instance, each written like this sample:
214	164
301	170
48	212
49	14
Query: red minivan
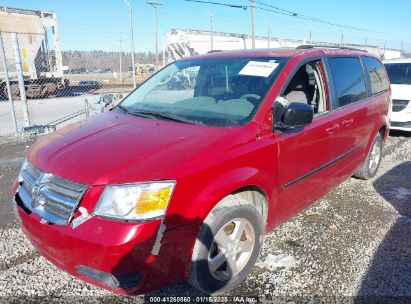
183	178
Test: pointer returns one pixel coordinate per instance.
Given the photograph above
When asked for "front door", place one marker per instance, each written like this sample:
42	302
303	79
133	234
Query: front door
307	156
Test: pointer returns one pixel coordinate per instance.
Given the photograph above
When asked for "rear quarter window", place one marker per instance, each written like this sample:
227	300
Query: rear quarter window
348	79
377	76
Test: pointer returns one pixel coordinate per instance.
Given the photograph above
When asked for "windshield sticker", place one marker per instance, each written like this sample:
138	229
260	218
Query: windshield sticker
258	68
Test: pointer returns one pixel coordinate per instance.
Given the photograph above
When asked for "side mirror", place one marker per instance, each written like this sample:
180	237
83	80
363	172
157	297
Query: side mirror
297	115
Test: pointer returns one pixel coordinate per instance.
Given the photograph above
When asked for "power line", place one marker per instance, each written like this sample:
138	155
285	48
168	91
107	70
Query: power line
277	10
219	3
282	11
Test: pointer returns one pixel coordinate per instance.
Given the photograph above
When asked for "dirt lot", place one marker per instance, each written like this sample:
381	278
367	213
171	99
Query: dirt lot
352	246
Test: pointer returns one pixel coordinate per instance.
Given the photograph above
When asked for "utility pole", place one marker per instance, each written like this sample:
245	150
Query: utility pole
155	4
385	46
365	43
212	32
121	71
402	43
252	25
17	58
7	81
310	37
164	50
130	18
342	39
269	34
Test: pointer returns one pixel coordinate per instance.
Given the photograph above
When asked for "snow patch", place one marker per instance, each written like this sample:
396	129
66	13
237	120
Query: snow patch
400	192
404	218
280	260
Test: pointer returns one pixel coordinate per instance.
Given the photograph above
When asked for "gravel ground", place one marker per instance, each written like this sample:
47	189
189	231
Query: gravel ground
352	246
12	152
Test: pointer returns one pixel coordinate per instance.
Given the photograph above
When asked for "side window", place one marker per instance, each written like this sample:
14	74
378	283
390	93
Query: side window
307	86
378	79
348	79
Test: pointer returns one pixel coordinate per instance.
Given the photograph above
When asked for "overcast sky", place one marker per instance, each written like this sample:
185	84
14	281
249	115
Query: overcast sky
99	24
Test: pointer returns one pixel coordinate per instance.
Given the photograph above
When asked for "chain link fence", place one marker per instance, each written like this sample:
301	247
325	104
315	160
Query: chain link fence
58	91
43	87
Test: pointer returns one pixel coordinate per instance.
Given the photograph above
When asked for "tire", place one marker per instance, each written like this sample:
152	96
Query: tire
372	162
51	89
15	91
43	91
210	271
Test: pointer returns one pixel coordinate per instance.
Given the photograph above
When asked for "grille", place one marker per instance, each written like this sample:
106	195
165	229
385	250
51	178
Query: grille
399	105
53	198
405	124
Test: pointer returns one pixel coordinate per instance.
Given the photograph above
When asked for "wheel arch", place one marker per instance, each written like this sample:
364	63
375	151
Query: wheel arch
255	196
383	130
248	184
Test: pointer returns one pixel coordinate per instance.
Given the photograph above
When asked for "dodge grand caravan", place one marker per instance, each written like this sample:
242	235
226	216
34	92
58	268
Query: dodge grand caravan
399	73
181	182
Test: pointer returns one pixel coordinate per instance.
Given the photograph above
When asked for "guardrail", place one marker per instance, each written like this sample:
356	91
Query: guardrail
103	103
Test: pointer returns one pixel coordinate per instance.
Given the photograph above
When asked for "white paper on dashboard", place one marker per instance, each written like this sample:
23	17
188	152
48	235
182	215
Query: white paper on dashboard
258	68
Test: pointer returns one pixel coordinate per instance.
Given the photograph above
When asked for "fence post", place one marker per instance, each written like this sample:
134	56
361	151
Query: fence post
17	58
86	108
6	79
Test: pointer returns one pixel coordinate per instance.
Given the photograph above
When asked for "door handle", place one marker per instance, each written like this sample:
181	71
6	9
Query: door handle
333	129
347	122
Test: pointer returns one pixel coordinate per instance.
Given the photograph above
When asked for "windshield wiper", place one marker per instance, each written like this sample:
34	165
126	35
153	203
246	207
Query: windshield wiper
172	117
124	109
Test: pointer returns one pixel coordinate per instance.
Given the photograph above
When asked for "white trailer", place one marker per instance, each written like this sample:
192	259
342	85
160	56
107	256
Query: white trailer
40	49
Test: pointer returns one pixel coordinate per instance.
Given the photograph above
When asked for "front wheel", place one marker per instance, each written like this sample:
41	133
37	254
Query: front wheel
372	162
226	249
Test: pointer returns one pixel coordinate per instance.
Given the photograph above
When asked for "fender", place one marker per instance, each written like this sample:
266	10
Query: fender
226	184
383	118
378	125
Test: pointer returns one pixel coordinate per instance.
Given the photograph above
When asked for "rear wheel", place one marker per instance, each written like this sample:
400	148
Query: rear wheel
372	162
226	248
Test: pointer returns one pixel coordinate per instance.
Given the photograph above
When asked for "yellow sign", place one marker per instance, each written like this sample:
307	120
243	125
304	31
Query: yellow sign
23	51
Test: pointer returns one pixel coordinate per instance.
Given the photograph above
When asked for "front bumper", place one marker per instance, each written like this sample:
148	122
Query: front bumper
403	125
117	256
401	120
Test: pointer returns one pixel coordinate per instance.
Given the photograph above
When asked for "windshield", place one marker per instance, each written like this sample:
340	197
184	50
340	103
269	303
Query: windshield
399	73
212	91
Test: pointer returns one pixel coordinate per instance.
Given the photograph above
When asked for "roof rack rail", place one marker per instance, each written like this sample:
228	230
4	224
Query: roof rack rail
214	51
311	46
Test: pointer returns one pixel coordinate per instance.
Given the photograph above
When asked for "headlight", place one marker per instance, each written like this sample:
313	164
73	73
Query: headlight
23	167
135	201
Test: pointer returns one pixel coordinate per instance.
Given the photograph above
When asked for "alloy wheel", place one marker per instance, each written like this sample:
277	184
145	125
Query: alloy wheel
231	249
375	156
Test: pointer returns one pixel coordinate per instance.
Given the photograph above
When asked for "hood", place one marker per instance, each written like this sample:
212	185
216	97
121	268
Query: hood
119	148
401	91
